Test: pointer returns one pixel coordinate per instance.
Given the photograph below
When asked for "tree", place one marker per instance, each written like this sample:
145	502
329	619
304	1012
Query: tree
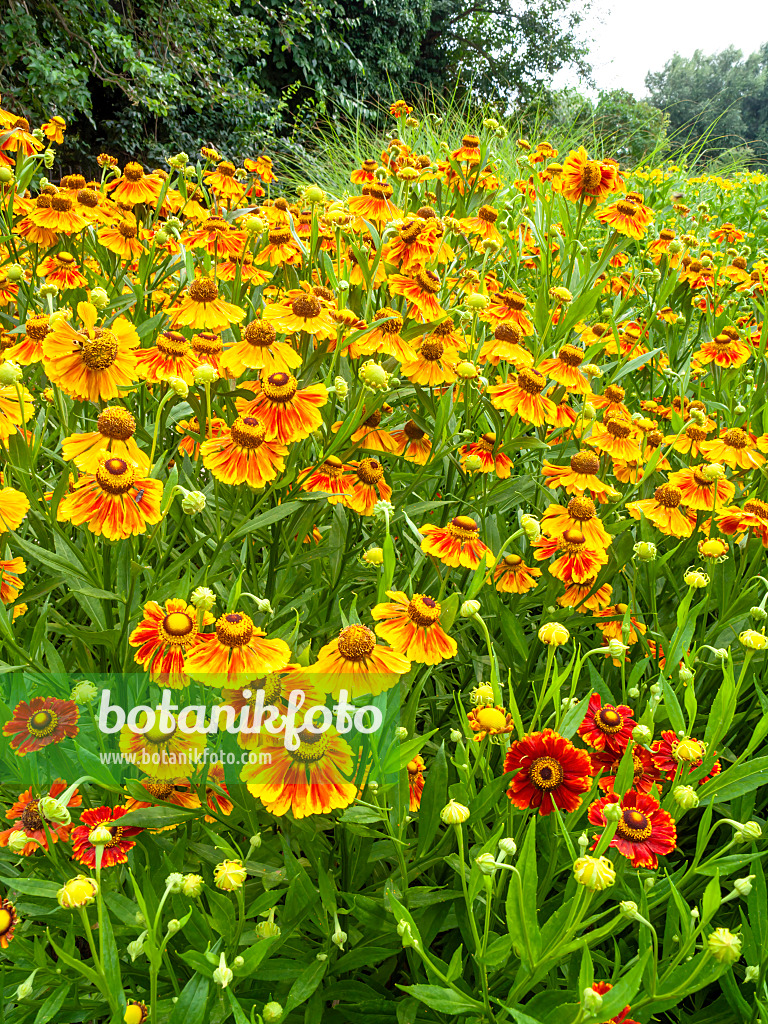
715	103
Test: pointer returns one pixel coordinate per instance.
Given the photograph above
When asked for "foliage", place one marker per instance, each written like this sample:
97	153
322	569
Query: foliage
555	465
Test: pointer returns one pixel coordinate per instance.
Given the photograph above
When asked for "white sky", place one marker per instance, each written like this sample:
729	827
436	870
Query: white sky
633	37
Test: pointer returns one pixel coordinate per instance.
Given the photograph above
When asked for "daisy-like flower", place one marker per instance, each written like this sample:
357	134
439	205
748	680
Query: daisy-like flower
235	651
587	180
10	584
522	394
27	818
415	769
549	772
645	774
665	511
735	448
691	439
505	347
114	435
117	848
303	311
59	214
375	204
456	544
628	216
644	831
281	248
699	492
612	401
579	514
162	750
513	576
203	310
331	477
289	413
163	637
242	454
222	182
618	437
565	369
412	627
8	919
365	174
607	727
578	476
483	224
420	288
30	348
14	506
490	462
577	561
259	349
190	443
412	443
487	720
113	501
368	486
217	237
312	779
61	269
384	339
170	356
369	435
42	721
753	517
274	689
583	597
16	408
508	306
725	349
356	663
94	363
433	363
134	186
122	238
54	129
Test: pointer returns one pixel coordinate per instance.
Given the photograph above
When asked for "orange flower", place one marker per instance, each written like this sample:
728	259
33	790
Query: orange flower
42	721
725	349
122	239
628	216
368	486
10	584
113	502
375	204
170	357
190	443
700	493
691	438
664	511
564	368
735	448
235	652
587	180
578	562
222	181
412	443
579	514
287	412
490	462
303	312
59	214
618	437
242	454
61	269
432	364
30	348
94	363
753	517
412	627
508	307
505	347
116	850
134	186
163	636
578	476
415	769
420	288
202	309
457	544
522	394
513	576
12	411
384	339
27	818
331	477
14	506
369	436
356	663
582	597
259	349
114	435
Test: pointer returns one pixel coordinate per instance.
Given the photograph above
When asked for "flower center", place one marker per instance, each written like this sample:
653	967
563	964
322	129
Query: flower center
756	508
115	476
736	438
205	344
626	209
133	172
423	611
234	629
30	817
507	332
546	773
428	281
585	462
370	471
260	333
61	203
488	214
463	528
634	825
116	423
668	496
311	748
531	381
412	432
487	442
581	509
157	735
513	300
393	326
127	230
7	921
570	355
178	628
373	420
695	433
306	307
248	432
204	290
609	720
571	542
432	349
591	176
38	326
356	643
100	351
158	788
492	719
279	387
171	343
619	428
512	561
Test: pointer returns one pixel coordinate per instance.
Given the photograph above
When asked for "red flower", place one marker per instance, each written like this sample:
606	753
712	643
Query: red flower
42	721
644	829
607	727
116	850
645	772
601	987
26	817
550	771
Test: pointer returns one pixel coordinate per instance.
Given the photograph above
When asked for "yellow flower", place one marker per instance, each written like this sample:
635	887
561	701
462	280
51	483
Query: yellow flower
229	875
554	634
753	640
77	892
595	873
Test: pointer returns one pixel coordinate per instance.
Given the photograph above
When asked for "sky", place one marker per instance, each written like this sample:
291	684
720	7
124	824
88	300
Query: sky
633	37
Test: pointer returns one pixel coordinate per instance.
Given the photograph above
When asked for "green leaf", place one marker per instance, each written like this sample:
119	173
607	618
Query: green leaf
573	717
444	1000
433	799
156	817
736	781
305	984
522	920
273	515
32	886
52	1004
191	1005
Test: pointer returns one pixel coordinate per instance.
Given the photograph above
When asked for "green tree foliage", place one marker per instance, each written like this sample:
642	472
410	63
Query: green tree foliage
715	103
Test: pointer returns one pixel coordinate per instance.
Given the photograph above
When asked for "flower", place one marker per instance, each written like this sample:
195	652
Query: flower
644	831
14	506
113	502
490	721
134	186
412	627
554	634
596	873
753	640
457	544
606	727
203	310
724	946
42	721
302	310
513	576
170	357
241	454
356	663
259	349
330	477
29	818
77	892
161	749
550	772
229	875
94	363
114	435
287	412
10	584
367	486
119	837
522	394
415	770
163	637
665	512
454	813
8	920
628	216
587	180
235	651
